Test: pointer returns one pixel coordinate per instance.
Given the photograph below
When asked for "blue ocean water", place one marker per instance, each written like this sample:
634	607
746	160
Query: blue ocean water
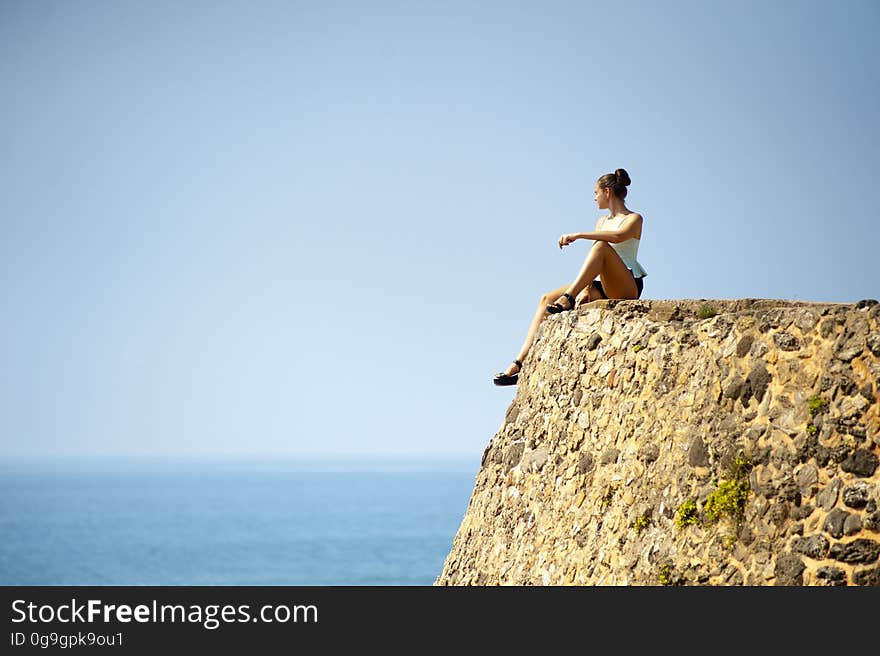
229	522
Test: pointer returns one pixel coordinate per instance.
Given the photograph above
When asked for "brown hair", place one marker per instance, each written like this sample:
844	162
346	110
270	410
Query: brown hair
617	182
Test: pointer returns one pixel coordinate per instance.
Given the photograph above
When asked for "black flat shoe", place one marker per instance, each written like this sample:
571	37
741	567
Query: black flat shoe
508	379
556	308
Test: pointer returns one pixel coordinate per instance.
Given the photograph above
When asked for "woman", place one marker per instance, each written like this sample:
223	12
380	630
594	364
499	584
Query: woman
612	258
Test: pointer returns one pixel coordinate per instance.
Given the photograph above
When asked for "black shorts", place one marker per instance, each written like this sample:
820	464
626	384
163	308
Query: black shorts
640	283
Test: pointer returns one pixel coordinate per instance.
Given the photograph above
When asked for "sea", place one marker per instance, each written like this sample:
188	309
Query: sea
341	521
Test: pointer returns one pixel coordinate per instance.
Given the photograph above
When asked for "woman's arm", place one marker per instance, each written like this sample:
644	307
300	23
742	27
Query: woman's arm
630	228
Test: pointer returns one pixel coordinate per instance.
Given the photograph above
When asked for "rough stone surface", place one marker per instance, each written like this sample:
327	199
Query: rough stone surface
857	551
789	570
857	496
867	576
835	521
831	576
627	410
862	463
815	546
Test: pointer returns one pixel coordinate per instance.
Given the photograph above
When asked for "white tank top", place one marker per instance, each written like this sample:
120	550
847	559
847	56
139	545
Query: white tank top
628	250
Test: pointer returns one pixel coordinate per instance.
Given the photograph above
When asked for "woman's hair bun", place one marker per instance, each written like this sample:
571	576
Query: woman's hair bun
622	177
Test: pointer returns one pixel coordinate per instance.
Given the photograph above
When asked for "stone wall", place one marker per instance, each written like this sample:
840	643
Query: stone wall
691	442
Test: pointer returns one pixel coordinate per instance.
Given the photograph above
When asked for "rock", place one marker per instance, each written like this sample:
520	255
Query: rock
861	463
834	522
831	576
789	570
698	454
755	384
867	577
860	550
857	495
744	345
786	341
815	546
852	525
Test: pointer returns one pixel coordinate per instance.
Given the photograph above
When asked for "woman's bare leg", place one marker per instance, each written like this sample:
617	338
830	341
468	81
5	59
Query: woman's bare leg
589	293
603	261
540	315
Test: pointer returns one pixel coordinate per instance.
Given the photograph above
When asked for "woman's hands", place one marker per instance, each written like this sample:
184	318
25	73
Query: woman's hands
565	240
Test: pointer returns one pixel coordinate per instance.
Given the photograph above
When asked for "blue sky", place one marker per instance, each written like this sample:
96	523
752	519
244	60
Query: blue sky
293	228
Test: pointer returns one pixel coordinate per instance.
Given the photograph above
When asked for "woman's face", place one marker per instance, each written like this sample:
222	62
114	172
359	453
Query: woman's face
601	195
